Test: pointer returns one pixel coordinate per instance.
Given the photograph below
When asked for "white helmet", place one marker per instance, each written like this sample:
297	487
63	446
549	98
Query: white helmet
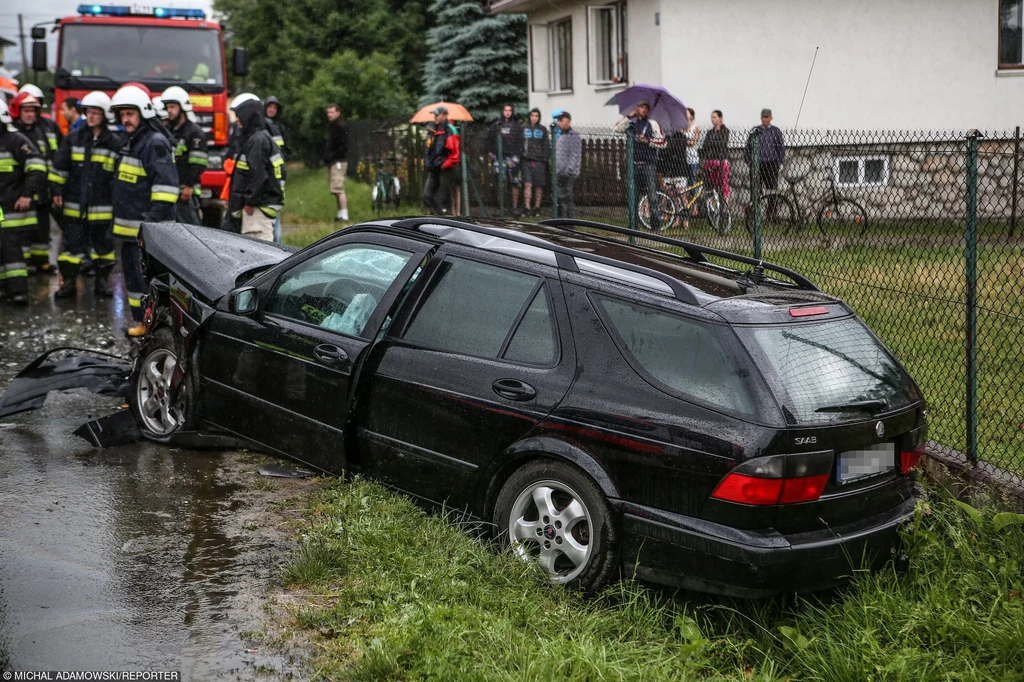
97	99
5	114
32	90
177	94
132	96
159	108
242	99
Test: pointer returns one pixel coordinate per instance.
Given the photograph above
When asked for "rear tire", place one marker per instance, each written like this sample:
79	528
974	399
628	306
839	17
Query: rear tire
717	212
552	514
843	217
777	221
667	208
158	417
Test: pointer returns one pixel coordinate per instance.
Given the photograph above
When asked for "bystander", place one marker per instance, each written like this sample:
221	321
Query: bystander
536	153
568	155
335	155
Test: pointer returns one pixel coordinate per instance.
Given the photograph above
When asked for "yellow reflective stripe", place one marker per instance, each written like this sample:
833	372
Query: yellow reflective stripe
199	161
11	274
242	165
125	231
135	302
30	167
18	220
56	178
269	211
103	256
77	157
68	258
129	168
163	196
100	215
72	212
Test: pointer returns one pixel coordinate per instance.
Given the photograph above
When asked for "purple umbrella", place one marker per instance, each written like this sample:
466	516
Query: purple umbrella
666	109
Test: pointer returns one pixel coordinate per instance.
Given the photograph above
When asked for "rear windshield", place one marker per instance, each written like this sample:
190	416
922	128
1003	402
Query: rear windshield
830	371
695	360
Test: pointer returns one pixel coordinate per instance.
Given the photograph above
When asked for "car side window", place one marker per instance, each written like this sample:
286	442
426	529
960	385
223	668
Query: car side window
534	340
338	289
682	355
471	307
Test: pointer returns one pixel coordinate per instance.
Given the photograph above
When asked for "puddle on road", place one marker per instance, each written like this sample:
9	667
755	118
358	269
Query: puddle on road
139	556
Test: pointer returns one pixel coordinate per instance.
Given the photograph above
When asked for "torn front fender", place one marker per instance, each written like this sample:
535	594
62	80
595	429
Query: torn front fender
99	372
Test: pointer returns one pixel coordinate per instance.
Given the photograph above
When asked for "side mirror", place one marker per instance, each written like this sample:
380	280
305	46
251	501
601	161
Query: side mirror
240	61
39	55
243	301
38	33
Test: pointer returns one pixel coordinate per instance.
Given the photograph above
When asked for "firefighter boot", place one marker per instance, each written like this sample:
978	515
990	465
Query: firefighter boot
101	284
68	275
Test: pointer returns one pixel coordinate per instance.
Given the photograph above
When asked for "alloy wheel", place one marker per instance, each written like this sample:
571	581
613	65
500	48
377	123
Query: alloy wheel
153	394
550	525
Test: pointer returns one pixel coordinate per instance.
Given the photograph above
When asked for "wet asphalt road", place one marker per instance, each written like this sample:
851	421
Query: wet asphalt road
134	557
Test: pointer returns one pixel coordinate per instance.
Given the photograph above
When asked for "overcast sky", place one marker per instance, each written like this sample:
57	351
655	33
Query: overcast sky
36	11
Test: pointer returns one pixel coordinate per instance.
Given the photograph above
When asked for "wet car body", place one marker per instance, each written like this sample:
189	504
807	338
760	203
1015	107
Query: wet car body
455	428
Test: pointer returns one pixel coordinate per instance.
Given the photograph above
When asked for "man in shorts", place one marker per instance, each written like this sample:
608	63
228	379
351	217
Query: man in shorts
336	157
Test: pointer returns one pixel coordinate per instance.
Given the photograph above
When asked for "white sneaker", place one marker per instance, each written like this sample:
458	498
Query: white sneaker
343	213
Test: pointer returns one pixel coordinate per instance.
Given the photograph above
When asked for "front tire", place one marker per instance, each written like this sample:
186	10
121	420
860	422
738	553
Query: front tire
158	416
555	516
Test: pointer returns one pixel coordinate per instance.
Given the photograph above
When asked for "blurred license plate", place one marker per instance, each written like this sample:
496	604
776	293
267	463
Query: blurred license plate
855	465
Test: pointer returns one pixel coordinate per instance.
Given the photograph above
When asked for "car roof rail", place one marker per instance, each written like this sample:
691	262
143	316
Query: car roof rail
696	252
681	291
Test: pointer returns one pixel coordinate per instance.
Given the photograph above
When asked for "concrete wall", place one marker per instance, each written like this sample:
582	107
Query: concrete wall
881	64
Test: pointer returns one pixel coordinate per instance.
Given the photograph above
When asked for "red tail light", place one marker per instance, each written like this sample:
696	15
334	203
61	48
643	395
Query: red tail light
808	311
910	460
769	491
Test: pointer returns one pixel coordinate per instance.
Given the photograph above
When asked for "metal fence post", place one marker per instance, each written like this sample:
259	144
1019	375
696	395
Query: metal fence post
554	173
464	169
1016	167
755	188
971	294
501	177
631	178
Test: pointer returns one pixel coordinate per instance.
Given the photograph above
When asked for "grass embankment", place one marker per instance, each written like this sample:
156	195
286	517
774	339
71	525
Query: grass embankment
396	593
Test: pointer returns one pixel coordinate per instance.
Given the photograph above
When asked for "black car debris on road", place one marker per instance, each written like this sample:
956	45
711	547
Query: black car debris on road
706	419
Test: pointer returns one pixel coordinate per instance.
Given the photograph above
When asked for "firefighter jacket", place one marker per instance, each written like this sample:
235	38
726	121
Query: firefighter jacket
145	187
190	155
258	178
83	173
22	174
42	136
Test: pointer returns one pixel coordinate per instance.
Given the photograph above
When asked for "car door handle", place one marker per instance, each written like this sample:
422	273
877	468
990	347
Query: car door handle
513	389
329	354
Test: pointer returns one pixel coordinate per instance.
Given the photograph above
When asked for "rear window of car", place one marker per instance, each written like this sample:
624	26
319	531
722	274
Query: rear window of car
696	360
830	371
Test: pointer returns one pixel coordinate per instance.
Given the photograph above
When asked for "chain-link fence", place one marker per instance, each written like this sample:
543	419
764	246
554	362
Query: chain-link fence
918	231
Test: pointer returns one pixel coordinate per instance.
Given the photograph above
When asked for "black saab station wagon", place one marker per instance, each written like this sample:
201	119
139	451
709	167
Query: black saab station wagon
705	419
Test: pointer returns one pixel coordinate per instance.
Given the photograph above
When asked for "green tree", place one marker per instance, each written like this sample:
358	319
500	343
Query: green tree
476	59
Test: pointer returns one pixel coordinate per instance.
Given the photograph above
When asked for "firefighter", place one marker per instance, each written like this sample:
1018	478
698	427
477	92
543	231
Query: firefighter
22	179
26	110
190	155
81	182
257	192
145	188
53	134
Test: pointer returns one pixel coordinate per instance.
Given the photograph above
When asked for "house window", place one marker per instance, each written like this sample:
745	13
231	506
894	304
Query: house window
607	41
551	56
867	171
1011	34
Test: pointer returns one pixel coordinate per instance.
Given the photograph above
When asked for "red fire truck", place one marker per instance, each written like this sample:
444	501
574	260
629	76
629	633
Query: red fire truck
106	46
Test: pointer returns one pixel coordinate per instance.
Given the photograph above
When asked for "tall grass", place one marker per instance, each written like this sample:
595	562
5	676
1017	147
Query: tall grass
413	596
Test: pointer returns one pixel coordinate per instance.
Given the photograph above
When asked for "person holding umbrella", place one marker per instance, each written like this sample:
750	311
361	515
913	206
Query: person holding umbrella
648	141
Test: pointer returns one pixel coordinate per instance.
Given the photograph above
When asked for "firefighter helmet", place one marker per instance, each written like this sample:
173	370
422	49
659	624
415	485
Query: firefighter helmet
5	115
97	99
177	94
33	90
159	108
134	97
23	99
242	99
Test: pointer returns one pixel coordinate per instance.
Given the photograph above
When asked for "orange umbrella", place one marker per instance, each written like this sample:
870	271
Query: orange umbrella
456	112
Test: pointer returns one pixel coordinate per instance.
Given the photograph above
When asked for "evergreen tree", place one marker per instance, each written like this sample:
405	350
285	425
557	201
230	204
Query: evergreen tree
475	58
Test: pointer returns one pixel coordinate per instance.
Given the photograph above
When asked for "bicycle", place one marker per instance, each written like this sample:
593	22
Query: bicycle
782	213
677	203
387	189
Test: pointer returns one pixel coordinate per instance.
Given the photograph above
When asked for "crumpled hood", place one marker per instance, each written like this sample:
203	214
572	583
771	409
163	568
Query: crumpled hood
251	116
209	261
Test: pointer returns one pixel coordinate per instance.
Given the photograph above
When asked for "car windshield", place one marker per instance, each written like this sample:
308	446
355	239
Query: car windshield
142	53
830	371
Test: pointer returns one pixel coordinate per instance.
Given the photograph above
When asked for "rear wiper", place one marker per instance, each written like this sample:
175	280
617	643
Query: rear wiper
869	405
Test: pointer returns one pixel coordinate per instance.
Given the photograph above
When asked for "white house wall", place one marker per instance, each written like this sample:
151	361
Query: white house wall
881	64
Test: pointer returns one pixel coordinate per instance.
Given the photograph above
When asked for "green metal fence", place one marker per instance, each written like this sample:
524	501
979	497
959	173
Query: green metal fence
916	230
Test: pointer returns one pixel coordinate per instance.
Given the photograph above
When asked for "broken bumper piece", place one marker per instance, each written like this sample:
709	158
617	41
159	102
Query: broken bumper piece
98	372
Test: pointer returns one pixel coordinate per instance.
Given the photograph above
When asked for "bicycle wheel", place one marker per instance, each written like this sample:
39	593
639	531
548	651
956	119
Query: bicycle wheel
716	211
842	217
668	215
778	217
377	198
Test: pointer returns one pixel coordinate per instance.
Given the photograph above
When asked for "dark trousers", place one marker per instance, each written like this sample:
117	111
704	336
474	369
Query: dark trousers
769	171
134	278
85	241
566	200
437	193
13	271
36	243
188	211
646	176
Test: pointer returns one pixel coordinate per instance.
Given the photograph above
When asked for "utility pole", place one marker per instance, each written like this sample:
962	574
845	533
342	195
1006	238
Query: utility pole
24	54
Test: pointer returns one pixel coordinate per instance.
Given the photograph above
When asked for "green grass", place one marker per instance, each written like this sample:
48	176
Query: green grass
401	594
